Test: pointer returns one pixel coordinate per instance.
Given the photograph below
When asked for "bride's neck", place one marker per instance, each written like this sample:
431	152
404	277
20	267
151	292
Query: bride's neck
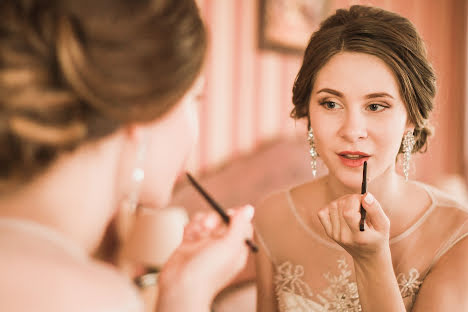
385	188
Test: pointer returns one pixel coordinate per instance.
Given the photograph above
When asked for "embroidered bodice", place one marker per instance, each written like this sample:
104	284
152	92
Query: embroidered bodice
341	295
313	273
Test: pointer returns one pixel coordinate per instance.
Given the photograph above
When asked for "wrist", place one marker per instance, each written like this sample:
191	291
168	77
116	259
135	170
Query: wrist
176	299
378	259
175	296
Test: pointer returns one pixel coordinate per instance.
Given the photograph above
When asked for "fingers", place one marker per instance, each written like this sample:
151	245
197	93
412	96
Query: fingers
204	225
375	213
340	219
324	217
241	227
351	212
201	226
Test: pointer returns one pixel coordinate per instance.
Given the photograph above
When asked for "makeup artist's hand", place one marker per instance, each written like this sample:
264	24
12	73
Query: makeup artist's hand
340	219
210	255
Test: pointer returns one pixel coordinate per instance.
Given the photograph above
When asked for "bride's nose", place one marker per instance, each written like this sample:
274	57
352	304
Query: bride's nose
353	127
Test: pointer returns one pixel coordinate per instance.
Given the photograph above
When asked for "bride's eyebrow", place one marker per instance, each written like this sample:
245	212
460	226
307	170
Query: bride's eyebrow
331	91
378	95
367	96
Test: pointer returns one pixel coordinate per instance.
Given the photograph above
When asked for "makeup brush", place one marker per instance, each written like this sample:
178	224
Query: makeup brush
218	209
363	191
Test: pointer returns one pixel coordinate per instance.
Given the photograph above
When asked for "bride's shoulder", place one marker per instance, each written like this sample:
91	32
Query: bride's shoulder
444	199
277	204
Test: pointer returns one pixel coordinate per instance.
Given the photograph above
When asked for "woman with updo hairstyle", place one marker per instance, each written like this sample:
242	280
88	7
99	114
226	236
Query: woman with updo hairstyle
97	117
366	89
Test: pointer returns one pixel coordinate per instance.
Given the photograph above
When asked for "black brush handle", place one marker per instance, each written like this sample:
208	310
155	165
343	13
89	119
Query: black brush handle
253	247
363	191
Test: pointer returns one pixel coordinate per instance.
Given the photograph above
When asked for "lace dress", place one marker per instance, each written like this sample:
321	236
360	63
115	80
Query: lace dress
313	273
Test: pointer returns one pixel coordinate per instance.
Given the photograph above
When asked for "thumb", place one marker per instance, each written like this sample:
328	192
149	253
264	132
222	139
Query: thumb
375	213
240	226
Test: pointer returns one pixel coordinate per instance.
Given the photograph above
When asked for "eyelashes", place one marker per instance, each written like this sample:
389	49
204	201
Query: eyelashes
372	107
330	105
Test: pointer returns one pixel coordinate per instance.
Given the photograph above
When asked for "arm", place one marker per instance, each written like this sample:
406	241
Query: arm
265	289
445	287
377	286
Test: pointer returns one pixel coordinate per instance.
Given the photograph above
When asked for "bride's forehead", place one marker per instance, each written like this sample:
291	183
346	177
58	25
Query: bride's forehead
356	72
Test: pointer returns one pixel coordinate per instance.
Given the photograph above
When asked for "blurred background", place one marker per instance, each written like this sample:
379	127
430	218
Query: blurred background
249	145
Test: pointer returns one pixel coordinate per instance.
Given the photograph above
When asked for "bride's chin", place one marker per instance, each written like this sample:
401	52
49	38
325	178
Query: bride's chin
351	182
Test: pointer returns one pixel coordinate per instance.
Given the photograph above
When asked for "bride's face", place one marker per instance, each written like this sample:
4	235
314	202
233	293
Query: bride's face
357	114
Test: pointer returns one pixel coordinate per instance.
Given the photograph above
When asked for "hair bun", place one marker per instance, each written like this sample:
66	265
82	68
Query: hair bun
421	136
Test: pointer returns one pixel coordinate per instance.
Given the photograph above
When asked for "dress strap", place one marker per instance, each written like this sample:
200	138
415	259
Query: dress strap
306	227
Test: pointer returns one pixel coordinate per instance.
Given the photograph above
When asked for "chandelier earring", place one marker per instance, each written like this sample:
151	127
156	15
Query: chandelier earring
408	144
137	177
313	152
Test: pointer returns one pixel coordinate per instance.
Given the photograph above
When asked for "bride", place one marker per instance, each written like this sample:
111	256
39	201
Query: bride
367	90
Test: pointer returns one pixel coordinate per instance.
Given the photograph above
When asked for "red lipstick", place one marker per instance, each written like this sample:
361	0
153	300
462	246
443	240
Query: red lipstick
353	159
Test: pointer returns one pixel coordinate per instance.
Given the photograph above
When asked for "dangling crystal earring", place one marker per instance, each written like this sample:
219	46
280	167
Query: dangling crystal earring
138	175
313	152
128	205
408	144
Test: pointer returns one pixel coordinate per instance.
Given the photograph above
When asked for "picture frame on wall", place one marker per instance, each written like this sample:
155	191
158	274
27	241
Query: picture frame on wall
286	25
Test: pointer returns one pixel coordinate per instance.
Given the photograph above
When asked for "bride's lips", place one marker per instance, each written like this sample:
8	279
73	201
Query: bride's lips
353	159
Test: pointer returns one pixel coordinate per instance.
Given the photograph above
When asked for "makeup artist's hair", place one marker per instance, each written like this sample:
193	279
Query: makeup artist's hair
75	71
390	37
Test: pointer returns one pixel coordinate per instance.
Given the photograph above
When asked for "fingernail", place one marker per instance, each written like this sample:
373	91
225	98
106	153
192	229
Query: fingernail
369	199
249	212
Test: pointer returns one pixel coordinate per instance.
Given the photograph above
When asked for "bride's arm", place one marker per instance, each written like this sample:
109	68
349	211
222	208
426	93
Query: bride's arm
377	286
445	287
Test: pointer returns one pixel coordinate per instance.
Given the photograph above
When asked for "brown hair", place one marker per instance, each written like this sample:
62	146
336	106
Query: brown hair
386	35
75	71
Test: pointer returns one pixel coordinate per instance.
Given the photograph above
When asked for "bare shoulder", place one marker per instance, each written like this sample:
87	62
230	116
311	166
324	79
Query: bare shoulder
442	198
282	207
53	281
276	204
445	288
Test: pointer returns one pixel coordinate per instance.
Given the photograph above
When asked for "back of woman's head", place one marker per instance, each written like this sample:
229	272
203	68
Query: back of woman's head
384	34
75	71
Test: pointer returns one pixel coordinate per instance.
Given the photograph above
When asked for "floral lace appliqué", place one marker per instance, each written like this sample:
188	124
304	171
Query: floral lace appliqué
409	285
340	296
288	280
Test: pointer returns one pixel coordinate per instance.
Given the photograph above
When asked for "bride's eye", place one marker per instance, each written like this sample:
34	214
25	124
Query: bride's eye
329	105
376	107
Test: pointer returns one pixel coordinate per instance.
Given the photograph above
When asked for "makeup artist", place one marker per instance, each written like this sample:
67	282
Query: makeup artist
97	116
366	90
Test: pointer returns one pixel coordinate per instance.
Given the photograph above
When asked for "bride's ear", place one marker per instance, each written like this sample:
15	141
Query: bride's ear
409	125
135	133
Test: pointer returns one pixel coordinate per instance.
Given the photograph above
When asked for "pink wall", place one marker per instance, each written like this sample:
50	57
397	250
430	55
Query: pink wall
248	91
466	92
